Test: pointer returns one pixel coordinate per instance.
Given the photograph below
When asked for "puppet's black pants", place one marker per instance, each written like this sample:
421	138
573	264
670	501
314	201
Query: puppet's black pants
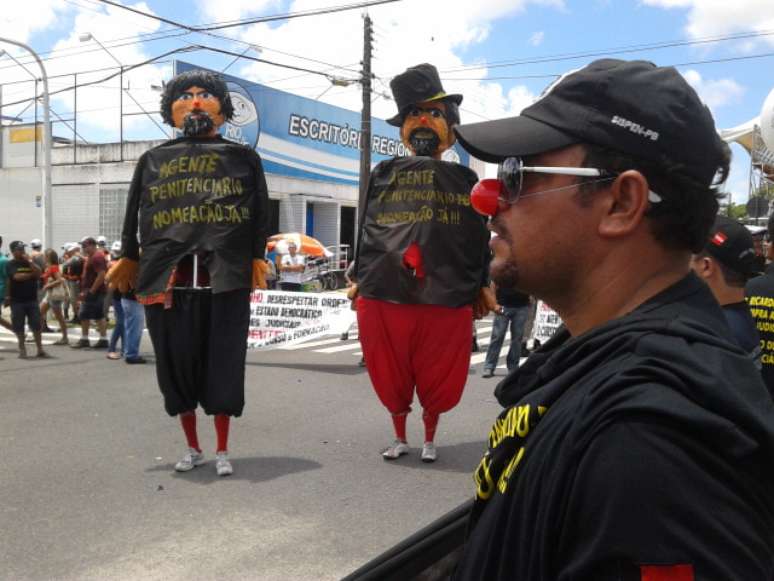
200	345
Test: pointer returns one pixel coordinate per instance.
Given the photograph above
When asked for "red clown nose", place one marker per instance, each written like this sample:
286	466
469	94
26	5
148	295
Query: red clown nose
485	196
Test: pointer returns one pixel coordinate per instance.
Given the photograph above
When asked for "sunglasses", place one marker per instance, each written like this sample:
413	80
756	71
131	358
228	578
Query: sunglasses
488	194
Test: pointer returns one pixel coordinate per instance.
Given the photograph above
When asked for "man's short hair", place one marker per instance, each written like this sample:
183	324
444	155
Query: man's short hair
88	241
684	216
197	78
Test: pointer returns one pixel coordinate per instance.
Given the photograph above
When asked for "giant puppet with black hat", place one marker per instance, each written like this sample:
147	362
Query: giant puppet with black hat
421	263
201	206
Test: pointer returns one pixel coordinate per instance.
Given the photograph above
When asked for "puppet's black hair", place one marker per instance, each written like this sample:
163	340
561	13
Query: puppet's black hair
196	78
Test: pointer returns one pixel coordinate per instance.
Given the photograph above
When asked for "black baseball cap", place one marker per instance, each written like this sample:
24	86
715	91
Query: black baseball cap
633	107
731	244
17	245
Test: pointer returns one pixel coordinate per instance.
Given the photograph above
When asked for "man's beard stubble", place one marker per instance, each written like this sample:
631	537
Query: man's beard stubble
505	273
197	123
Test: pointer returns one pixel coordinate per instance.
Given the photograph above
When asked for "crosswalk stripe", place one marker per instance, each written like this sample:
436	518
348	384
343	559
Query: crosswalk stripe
308	344
339	348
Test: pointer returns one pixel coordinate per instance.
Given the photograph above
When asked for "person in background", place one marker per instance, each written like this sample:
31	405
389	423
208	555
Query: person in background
23	277
37	256
134	323
3	286
760	252
760	298
292	269
726	263
55	294
351	279
512	311
115	296
72	270
92	296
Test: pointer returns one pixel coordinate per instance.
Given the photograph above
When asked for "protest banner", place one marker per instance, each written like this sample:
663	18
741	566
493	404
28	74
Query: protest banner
547	321
279	319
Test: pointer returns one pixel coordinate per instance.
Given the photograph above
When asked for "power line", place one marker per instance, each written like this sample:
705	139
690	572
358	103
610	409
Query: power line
165	34
259	19
555	75
614	50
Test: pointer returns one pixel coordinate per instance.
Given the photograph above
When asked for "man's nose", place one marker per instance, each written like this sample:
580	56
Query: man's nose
423	119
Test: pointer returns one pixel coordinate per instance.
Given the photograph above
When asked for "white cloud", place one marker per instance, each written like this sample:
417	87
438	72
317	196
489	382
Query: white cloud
715	93
234	9
723	17
537	38
19	20
406	33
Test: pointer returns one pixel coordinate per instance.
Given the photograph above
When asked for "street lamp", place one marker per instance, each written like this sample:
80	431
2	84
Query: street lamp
86	37
47	210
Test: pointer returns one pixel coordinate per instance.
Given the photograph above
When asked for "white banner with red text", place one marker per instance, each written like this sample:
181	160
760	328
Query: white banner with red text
280	319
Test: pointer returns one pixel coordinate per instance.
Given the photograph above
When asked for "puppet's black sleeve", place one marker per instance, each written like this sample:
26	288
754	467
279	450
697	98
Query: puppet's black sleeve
129	242
261	211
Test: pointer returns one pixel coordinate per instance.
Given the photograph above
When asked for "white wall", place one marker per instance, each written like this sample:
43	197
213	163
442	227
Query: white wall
21	211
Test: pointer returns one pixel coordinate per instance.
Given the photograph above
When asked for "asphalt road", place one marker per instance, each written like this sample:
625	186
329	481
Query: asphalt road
87	488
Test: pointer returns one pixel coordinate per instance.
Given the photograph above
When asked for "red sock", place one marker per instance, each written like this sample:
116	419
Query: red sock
399	422
188	421
431	423
221	429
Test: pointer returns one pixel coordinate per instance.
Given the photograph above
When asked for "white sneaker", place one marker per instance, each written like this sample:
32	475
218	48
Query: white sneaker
429	452
190	461
222	465
396	450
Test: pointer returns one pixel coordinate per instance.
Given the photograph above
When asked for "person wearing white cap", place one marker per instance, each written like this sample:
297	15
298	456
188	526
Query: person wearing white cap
72	269
36	255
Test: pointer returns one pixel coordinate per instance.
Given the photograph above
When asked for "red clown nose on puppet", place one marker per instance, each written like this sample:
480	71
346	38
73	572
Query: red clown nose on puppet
485	196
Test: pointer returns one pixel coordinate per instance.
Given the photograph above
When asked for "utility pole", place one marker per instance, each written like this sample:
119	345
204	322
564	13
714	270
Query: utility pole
365	118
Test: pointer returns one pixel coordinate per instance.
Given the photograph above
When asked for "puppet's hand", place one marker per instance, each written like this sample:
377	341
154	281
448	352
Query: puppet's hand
260	270
484	304
123	275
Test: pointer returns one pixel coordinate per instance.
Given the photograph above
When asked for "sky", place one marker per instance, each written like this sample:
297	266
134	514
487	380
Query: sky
499	54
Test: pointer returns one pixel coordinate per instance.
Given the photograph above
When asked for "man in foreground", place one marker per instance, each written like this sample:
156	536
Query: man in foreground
636	444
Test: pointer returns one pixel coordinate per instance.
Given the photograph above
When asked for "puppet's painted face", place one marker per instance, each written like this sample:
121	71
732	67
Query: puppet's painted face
196	112
425	130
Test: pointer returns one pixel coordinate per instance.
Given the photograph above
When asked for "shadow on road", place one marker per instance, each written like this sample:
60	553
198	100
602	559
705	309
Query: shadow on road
256	469
346	369
462	457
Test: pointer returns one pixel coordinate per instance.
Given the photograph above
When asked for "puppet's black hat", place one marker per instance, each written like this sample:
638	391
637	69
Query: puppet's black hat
417	84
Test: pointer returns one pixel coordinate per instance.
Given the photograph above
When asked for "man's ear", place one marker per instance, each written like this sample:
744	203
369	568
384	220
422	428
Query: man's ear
626	202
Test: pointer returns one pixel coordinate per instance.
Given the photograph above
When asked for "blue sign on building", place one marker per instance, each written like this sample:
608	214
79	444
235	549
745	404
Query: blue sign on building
303	138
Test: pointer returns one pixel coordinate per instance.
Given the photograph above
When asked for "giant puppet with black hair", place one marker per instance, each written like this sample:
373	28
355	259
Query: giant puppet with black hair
422	263
200	204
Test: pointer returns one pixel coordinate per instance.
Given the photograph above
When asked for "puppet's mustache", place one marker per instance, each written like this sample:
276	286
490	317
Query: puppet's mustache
424	141
197	123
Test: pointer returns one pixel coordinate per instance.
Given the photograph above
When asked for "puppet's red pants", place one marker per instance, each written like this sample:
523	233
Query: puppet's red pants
427	346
